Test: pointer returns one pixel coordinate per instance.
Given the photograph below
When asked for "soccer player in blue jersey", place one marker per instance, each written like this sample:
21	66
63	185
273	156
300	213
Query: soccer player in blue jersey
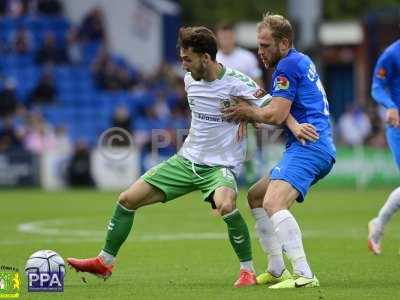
297	89
386	92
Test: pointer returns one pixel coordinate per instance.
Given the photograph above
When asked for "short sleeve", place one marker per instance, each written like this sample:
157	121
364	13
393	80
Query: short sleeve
384	69
251	92
286	80
383	73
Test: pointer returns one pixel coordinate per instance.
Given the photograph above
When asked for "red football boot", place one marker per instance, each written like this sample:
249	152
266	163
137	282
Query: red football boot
94	266
246	278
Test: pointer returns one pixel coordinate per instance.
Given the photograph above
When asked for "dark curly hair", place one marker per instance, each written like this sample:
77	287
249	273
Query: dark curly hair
201	39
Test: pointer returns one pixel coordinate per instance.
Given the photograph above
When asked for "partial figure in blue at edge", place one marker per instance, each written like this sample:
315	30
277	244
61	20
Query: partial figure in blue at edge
386	92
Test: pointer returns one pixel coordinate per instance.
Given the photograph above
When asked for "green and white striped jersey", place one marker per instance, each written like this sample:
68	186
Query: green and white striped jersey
212	140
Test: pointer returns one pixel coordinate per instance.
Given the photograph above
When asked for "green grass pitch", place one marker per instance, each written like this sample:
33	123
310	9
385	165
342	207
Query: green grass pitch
180	251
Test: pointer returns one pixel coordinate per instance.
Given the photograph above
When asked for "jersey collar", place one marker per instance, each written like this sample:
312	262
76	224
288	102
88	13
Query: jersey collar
221	72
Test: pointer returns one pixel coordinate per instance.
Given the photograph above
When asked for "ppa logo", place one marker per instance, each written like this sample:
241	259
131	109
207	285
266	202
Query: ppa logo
45	270
45	282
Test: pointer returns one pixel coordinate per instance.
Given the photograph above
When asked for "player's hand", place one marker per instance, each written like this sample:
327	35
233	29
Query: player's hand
306	132
392	117
241	111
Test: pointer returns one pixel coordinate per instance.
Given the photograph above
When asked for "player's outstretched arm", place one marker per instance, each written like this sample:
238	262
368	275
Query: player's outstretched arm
275	113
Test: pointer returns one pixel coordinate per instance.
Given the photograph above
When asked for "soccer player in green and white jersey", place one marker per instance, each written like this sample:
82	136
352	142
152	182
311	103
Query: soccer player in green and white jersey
208	160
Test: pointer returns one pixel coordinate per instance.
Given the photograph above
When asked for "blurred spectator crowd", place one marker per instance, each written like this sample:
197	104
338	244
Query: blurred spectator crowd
359	126
60	87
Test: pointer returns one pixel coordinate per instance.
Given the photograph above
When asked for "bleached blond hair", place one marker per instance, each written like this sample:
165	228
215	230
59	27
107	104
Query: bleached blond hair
279	26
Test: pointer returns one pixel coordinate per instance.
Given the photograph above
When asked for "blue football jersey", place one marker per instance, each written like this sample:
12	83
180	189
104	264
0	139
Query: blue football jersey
386	80
297	80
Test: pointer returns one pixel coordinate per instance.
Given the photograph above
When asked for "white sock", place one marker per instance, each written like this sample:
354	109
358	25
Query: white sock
389	208
108	259
269	242
247	265
288	233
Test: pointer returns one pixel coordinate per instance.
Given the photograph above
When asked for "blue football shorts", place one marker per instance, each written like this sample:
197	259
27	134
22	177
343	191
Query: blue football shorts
393	139
302	166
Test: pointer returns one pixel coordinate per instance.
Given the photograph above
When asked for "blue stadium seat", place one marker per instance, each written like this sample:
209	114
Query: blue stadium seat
23	94
32	71
35	23
10	61
89	51
67	99
25	60
146	124
11	72
81	107
62	24
8	23
53	114
65	88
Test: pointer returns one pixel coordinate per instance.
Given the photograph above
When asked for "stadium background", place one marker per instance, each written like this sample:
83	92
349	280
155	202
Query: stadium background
70	70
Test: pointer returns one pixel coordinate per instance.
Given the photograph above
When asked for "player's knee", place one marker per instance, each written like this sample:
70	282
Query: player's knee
226	207
254	199
123	199
126	201
271	206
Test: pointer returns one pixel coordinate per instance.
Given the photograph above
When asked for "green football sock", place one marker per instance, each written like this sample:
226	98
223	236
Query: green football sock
118	229
238	235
